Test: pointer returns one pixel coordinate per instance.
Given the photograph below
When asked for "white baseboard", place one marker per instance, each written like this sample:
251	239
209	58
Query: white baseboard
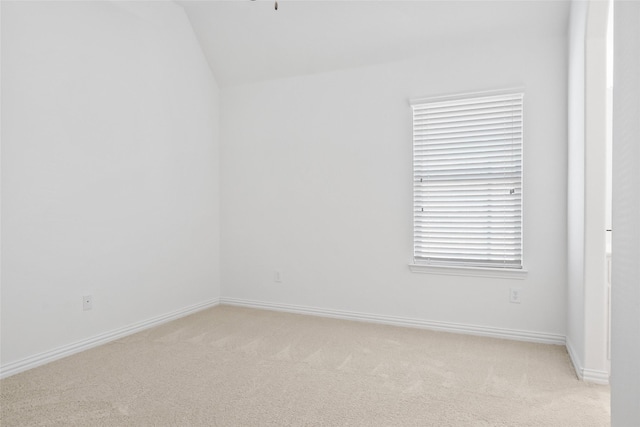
82	345
486	331
595	376
575	360
584	374
590	375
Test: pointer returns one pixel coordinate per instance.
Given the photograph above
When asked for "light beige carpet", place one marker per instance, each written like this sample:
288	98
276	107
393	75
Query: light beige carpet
230	366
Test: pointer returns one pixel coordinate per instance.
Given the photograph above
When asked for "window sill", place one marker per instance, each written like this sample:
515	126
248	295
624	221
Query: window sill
501	273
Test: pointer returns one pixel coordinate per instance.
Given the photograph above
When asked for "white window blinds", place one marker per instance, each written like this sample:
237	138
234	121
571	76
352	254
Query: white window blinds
467	191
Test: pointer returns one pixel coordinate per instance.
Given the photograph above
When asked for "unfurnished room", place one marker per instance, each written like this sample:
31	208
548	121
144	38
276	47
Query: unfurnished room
320	213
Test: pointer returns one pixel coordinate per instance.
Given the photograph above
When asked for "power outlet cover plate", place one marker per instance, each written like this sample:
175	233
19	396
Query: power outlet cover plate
515	295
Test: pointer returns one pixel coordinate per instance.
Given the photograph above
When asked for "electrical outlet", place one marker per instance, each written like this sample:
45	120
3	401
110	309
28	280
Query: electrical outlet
277	276
87	302
515	295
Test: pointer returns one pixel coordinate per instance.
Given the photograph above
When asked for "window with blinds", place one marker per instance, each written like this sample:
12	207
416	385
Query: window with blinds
467	181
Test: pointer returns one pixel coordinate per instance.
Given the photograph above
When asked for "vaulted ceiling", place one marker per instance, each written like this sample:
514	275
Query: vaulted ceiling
246	41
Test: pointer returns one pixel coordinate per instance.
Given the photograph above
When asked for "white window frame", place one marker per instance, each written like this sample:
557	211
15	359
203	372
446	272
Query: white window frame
457	265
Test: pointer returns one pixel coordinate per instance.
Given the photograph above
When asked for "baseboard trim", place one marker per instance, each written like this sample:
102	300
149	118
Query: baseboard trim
82	345
595	376
589	375
485	331
573	356
584	374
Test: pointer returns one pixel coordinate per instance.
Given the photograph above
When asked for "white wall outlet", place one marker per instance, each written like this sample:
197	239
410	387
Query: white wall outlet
277	276
515	295
87	302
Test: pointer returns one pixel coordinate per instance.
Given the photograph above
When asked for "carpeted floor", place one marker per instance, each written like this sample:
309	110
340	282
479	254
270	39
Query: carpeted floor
230	366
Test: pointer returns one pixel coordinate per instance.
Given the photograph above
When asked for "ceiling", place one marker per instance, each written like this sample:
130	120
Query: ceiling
246	41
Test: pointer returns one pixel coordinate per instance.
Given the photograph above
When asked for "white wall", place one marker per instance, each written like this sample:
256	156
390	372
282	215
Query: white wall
316	182
577	34
595	285
109	170
587	290
625	352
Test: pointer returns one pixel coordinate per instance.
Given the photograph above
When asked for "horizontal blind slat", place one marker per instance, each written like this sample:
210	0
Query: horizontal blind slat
468	180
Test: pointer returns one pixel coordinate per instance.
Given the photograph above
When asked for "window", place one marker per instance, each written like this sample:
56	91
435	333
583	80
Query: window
467	181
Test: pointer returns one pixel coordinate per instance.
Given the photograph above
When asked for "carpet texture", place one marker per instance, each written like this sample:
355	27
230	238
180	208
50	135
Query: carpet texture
230	366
